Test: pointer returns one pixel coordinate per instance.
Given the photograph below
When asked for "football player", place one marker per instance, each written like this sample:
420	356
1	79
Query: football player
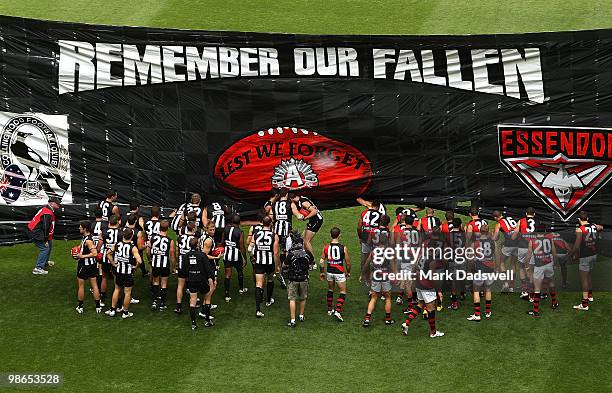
505	226
311	213
371	204
234	255
193	206
380	267
183	243
474	225
161	251
336	258
124	257
429	222
484	263
282	211
522	232
543	251
87	268
108	205
199	279
368	221
265	246
207	246
426	287
215	212
411	238
585	247
456	241
110	237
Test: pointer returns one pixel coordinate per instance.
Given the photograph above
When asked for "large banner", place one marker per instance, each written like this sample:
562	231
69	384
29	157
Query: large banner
504	121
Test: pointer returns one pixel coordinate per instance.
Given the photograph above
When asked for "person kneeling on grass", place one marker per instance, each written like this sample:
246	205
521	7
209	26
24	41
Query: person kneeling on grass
298	264
125	258
199	273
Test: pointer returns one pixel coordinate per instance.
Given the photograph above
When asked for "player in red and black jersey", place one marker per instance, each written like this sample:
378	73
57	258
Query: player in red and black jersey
426	269
484	263
447	225
406	214
562	256
429	222
585	247
504	227
376	235
379	268
456	241
473	226
543	251
335	257
368	221
407	235
523	231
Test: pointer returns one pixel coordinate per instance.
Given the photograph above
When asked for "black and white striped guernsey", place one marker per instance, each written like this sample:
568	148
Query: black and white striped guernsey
264	247
124	257
152	227
304	200
282	213
231	236
183	247
91	261
216	213
203	239
194	208
160	250
111	236
107	209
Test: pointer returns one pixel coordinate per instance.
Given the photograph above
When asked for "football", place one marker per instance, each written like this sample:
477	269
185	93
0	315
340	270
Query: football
74	251
294	158
99	256
304	212
215	252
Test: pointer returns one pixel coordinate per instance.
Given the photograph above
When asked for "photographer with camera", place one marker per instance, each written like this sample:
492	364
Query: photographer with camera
297	264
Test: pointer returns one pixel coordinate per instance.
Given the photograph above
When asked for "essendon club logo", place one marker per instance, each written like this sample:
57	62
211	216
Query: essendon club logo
564	166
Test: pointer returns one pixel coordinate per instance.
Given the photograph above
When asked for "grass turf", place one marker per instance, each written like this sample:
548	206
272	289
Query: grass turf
562	351
157	350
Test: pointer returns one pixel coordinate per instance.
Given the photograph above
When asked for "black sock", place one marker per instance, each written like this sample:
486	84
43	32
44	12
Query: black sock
270	290
193	312
99	280
125	312
162	294
155	292
98	303
258	297
240	278
179	305
102	296
152	290
81	303
206	311
227	286
143	268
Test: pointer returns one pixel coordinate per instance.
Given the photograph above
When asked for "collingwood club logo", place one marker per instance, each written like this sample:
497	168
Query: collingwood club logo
564	166
294	174
34	158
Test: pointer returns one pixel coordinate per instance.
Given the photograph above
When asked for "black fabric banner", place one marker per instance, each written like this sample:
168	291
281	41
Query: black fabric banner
506	121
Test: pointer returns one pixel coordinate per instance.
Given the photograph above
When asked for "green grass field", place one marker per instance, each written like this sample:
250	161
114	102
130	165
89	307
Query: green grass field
561	352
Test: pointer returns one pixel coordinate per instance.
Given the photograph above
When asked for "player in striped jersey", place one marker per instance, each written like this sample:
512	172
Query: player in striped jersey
456	241
372	205
87	268
125	258
336	258
183	244
267	207
410	237
484	262
282	212
108	205
134	211
151	226
176	217
215	212
265	245
98	229
161	252
310	212
368	221
233	242
110	237
505	226
138	238
207	245
379	268
193	206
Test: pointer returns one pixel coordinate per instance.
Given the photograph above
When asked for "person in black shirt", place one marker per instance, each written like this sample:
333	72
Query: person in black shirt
197	269
87	269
